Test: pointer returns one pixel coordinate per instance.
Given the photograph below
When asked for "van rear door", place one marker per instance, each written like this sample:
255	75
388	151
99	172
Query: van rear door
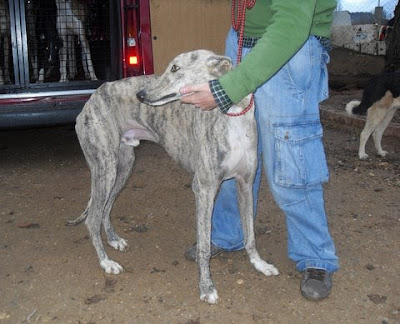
55	53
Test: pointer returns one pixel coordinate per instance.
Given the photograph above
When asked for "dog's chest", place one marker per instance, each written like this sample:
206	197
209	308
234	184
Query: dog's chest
68	15
242	143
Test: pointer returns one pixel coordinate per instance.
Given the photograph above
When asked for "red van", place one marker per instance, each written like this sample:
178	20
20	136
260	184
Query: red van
55	53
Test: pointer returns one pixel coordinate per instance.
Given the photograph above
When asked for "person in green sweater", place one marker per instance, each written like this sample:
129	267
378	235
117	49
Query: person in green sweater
284	57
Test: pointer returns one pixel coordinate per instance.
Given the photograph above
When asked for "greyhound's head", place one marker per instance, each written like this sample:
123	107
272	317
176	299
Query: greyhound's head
187	68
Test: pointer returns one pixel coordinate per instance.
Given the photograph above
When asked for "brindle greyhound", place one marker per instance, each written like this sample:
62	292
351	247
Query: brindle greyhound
212	146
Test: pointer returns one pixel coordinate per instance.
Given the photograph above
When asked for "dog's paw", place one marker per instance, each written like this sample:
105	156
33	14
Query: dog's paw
265	268
111	266
383	153
119	244
211	297
363	156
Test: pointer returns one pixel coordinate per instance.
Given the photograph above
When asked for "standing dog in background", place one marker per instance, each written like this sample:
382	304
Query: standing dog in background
71	18
49	43
30	18
380	101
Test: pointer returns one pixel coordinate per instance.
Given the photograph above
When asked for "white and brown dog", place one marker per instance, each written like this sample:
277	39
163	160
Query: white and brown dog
380	100
71	19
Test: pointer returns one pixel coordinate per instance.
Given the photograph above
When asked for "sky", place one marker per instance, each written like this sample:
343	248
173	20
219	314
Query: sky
367	5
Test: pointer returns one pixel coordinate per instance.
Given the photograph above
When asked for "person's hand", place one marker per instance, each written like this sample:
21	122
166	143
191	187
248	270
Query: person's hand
199	95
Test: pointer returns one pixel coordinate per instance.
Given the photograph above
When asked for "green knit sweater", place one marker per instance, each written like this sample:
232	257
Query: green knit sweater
284	26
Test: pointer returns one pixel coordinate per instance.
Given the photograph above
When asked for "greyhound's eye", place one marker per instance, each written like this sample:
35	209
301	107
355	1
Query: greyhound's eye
174	68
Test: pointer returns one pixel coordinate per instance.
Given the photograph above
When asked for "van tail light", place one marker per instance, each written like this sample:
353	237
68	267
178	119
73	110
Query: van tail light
131	36
131	51
133	60
136	42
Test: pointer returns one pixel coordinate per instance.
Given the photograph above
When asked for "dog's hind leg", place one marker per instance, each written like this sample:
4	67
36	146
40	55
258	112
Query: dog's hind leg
365	134
63	59
71	57
86	57
126	157
375	115
205	196
245	199
103	181
100	148
380	129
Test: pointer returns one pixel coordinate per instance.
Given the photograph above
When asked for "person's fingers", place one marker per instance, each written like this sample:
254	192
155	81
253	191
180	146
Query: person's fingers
188	99
199	95
201	87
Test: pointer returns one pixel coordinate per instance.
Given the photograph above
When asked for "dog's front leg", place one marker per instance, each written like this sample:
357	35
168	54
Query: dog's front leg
245	199
385	120
63	60
204	207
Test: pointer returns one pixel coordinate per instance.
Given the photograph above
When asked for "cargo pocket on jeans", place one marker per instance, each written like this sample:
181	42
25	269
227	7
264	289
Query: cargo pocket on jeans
299	155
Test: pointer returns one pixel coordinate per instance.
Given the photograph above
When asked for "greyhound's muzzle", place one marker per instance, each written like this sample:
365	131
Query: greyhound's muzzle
142	97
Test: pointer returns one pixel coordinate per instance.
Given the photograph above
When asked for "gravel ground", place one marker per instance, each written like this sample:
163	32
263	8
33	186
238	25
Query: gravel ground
49	272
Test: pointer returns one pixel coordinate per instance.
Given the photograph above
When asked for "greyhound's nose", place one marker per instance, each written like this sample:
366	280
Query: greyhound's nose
141	95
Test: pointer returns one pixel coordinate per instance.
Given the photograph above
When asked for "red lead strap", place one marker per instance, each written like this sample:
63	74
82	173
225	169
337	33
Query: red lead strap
238	18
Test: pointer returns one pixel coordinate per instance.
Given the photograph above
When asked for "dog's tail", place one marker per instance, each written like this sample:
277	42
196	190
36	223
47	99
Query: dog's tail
81	218
353	107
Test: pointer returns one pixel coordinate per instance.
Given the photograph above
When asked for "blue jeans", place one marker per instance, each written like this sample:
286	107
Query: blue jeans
291	150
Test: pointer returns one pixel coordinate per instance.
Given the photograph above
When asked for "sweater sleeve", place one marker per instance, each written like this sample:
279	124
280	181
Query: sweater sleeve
288	30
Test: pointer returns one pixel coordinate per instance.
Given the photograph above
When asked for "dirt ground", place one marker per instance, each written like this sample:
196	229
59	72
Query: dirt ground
49	272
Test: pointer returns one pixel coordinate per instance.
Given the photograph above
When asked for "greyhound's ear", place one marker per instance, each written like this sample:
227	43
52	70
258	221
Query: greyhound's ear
219	65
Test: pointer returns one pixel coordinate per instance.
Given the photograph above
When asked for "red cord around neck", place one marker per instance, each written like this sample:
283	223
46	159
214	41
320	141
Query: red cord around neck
238	17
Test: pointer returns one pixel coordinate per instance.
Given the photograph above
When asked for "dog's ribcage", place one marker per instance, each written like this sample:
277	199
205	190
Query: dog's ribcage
183	131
